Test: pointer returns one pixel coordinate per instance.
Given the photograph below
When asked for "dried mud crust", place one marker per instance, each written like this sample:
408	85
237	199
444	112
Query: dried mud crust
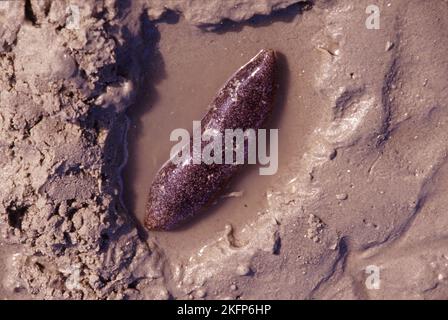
369	190
63	93
212	12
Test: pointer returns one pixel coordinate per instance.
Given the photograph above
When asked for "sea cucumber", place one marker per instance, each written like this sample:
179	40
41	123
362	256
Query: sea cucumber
180	191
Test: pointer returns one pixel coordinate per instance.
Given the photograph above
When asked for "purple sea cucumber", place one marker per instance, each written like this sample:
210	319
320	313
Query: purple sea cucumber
180	191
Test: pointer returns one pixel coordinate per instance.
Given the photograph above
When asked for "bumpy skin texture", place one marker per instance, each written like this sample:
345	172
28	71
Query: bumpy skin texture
179	191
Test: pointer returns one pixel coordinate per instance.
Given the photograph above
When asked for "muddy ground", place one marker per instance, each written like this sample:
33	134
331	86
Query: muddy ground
86	107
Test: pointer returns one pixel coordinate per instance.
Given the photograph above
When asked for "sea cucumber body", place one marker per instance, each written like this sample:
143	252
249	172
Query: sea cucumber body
180	191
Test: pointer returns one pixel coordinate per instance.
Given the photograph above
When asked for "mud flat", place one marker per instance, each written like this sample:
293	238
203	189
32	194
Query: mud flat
85	118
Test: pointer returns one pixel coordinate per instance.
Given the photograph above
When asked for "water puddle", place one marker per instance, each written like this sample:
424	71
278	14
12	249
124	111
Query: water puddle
184	76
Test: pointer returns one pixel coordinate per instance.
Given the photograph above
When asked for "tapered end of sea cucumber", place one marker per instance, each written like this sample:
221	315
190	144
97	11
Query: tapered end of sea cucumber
155	225
264	57
267	53
261	66
156	220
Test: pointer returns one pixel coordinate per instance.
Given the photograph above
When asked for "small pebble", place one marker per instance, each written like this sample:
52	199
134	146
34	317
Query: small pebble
342	196
201	293
243	270
389	45
333	154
